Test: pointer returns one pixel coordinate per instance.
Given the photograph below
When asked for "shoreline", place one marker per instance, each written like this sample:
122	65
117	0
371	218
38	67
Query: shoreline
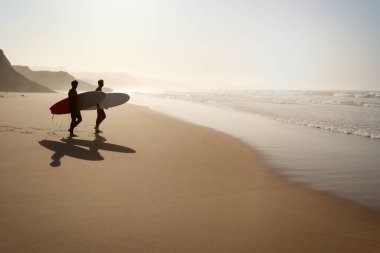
344	165
153	183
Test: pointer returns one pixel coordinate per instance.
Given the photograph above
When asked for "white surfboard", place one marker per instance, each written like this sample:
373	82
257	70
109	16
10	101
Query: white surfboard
111	100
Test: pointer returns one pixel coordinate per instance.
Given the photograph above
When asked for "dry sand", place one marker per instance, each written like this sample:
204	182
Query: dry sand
151	183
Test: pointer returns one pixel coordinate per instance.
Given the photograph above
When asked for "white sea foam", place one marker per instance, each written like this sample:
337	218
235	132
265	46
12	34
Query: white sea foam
348	112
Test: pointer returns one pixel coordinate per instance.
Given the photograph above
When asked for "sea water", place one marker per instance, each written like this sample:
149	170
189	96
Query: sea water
349	112
328	140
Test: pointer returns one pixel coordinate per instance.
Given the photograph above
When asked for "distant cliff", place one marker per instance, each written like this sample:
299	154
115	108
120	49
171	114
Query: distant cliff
12	81
55	80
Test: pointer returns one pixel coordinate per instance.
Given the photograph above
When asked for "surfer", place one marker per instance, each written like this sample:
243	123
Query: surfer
100	111
76	117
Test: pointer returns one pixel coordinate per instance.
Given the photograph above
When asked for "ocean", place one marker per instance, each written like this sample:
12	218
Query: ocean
349	112
327	140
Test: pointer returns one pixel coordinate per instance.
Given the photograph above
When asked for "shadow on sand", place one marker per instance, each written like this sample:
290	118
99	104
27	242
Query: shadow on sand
81	149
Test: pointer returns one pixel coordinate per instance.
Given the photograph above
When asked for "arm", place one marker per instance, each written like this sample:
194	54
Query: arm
73	101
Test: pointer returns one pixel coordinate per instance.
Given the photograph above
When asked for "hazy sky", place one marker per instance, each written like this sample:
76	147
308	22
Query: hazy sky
298	44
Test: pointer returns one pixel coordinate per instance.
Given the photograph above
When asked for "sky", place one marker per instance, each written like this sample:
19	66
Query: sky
258	44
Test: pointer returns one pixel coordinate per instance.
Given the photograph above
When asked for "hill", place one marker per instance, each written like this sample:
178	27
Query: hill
55	80
12	81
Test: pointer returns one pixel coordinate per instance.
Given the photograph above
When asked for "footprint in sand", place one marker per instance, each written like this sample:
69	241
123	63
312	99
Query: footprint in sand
38	129
27	132
7	128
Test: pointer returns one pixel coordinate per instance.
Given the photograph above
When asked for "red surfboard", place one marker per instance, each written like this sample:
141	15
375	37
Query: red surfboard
85	100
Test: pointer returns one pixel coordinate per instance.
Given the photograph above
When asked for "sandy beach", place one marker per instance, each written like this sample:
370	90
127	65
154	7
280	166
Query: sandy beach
152	183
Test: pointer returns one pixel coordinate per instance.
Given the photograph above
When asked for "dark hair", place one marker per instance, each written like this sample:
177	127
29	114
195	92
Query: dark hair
75	82
101	82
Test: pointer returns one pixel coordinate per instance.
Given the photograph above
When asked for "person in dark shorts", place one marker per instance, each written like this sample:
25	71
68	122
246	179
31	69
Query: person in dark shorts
100	111
76	117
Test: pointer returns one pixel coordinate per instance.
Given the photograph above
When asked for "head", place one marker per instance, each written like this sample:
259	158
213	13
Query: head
74	84
100	83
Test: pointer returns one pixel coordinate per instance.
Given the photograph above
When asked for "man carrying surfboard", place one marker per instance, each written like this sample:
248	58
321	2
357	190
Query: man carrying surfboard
76	117
100	111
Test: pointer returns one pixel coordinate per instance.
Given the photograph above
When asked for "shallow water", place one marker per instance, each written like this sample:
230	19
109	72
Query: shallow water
355	112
